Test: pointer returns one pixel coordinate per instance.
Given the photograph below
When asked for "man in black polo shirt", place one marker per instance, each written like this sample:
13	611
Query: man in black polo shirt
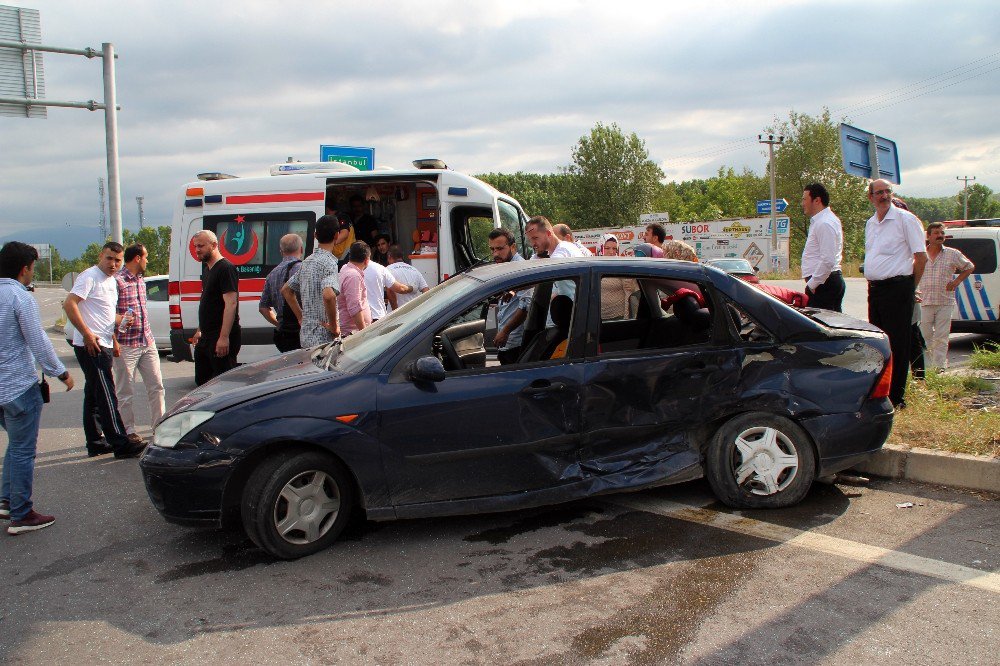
217	340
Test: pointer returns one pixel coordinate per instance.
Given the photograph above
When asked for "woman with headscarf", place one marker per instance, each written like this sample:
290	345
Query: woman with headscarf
609	246
615	290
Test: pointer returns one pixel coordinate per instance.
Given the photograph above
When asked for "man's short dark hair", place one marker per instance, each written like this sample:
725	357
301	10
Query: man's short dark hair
356	197
817	191
502	233
359	252
396	253
658	231
14	256
134	250
113	246
540	221
934	225
327	228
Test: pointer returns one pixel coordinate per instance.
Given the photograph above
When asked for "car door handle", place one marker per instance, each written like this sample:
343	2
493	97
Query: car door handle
698	369
537	388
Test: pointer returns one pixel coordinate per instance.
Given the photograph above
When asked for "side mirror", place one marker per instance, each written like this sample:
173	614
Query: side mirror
425	369
756	269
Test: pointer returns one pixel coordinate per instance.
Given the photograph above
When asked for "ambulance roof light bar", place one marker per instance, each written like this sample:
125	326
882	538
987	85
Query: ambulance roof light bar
311	167
429	163
215	175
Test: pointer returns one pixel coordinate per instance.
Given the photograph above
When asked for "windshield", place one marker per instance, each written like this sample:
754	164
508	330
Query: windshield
363	347
731	265
512	220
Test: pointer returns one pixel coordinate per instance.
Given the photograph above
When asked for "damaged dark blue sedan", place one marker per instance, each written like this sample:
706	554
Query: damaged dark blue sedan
632	373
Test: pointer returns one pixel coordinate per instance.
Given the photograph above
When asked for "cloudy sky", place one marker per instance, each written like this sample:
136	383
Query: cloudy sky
491	86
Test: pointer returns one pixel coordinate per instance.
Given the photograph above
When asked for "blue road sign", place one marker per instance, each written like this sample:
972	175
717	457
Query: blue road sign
764	206
362	158
855	144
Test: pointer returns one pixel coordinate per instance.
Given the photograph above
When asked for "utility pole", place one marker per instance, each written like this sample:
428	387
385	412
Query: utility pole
142	219
771	141
103	221
965	195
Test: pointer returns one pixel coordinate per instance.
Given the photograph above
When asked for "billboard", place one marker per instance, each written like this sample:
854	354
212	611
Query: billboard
21	71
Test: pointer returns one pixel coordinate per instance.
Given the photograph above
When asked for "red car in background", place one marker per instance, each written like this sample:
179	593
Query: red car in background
742	269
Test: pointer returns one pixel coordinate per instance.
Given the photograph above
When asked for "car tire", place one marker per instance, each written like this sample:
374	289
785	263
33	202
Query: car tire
760	461
297	504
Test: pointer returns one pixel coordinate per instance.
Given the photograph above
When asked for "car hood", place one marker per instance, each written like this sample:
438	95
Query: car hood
254	380
832	319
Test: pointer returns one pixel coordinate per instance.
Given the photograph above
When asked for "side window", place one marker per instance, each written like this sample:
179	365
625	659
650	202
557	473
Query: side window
512	220
532	325
251	241
652	313
748	328
470	229
156	290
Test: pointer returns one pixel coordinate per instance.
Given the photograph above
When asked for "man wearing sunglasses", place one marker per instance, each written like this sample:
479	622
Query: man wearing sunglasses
895	256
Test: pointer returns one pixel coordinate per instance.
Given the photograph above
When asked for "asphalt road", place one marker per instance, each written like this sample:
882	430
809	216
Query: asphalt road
665	576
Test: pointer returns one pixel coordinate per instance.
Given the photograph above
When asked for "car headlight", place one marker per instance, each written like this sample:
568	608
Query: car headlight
172	429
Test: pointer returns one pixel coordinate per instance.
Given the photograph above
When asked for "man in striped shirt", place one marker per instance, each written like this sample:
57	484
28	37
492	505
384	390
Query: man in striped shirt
20	398
937	291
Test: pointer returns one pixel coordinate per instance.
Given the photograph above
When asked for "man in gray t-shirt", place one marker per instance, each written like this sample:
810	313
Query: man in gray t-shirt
512	309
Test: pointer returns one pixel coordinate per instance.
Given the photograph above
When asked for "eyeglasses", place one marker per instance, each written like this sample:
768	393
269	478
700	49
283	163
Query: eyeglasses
878	193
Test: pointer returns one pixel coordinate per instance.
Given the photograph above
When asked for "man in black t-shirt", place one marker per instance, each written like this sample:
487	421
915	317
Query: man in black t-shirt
365	224
217	340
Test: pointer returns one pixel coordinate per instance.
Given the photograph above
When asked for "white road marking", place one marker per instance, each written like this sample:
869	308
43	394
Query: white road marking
821	543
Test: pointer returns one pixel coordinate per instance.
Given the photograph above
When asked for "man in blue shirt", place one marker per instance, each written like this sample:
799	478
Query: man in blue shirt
20	398
512	309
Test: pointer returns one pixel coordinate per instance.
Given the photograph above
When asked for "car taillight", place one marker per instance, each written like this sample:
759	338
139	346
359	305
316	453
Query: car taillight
884	382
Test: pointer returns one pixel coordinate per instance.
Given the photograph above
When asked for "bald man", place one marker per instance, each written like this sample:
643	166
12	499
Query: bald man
217	340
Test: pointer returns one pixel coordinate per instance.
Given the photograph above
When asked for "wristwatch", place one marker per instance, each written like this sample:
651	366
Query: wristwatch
64	376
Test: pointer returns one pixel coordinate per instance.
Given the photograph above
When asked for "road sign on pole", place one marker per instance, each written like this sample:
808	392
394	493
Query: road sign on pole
361	158
764	206
866	154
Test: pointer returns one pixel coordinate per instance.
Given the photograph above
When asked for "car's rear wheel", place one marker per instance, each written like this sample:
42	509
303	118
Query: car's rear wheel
760	461
295	505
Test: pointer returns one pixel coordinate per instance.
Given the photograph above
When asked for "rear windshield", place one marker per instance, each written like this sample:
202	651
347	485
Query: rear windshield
980	251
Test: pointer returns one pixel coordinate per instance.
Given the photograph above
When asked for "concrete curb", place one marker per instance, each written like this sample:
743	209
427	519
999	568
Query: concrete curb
929	466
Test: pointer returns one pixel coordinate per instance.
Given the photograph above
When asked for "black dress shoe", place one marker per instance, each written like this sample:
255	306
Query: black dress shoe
98	448
129	450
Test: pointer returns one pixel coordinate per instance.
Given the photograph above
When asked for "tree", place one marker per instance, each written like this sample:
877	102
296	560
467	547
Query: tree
982	203
811	154
934	209
538	194
614	181
157	243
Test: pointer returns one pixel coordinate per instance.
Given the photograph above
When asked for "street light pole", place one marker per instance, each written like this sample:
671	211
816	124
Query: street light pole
965	195
771	141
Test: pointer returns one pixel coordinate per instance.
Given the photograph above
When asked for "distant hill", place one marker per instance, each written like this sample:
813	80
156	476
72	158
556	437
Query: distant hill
69	241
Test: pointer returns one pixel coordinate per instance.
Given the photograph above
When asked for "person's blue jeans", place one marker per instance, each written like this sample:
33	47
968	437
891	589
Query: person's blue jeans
20	418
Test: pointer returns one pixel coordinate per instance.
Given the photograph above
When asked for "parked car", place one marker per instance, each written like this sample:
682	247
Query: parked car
741	268
156	308
611	391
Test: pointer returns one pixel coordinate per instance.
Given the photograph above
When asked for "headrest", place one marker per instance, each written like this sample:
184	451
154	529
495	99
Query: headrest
681	293
561	310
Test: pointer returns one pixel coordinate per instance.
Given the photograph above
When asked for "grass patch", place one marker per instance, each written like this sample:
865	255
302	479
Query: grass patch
986	357
61	322
950	413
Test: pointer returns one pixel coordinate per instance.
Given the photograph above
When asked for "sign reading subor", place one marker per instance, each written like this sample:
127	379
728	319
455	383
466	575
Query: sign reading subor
358	157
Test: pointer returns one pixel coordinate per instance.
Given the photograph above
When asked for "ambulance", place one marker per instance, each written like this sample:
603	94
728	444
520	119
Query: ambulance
439	217
977	300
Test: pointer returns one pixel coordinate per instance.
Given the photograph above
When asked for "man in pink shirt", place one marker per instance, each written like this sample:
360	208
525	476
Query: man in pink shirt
352	303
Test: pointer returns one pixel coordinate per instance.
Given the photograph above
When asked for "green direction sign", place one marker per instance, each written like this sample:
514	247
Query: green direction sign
360	158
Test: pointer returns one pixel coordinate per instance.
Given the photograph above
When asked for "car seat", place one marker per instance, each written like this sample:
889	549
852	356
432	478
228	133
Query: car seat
548	340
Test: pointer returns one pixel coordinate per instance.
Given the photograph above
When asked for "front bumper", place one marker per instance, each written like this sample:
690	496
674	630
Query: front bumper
844	440
186	485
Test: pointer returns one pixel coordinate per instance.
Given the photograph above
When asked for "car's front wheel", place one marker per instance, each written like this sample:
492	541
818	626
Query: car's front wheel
760	461
295	505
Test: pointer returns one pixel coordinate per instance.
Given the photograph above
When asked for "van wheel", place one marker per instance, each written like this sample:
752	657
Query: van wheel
296	505
760	461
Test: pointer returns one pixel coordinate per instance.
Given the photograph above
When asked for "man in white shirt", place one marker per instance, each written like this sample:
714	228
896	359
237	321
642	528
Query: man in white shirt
548	246
895	257
379	281
404	274
564	233
937	291
823	252
91	307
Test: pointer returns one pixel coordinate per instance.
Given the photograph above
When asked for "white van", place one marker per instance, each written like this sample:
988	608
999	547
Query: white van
978	298
440	217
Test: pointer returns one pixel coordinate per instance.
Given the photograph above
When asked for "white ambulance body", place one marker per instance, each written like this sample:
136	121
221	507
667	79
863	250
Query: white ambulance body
977	300
439	217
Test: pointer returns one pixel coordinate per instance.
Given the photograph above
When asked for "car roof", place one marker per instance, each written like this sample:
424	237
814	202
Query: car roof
677	268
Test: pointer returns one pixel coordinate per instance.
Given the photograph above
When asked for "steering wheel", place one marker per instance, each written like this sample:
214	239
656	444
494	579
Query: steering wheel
450	355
